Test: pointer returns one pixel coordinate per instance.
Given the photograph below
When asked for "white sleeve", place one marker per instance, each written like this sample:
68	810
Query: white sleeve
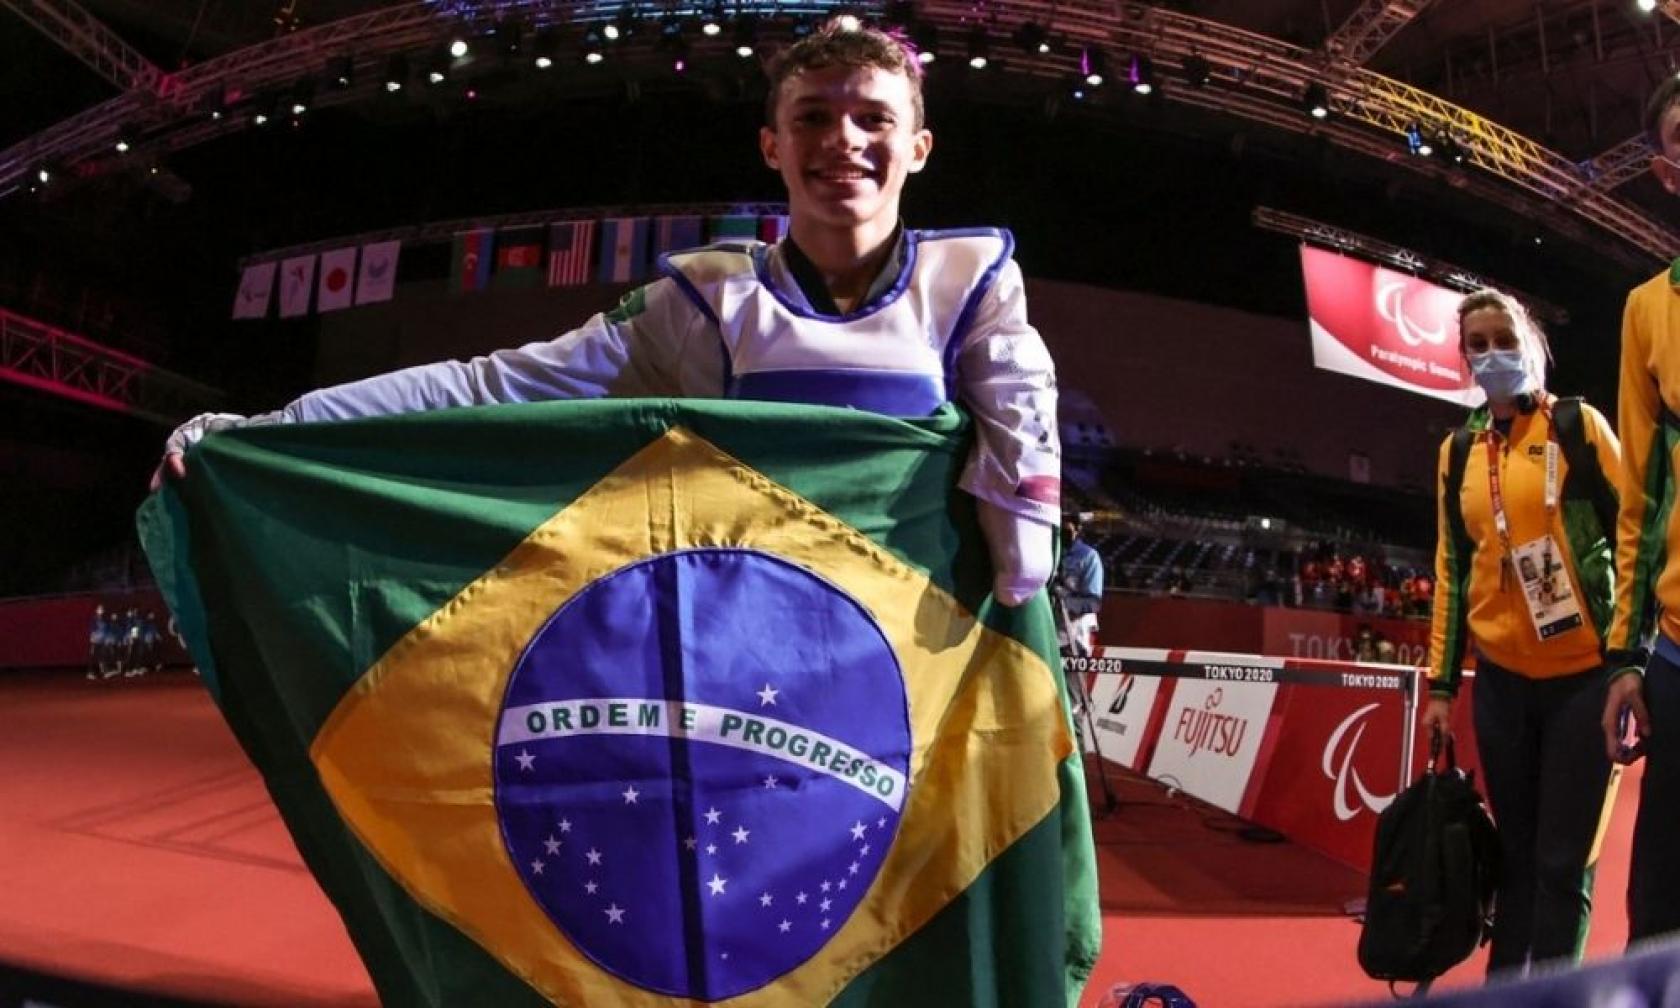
1008	382
640	348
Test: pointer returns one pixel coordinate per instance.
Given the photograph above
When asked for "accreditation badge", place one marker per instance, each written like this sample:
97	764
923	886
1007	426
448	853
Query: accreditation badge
1551	602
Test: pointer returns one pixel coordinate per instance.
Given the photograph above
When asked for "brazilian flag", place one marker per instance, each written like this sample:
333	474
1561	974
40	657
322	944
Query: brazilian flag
634	702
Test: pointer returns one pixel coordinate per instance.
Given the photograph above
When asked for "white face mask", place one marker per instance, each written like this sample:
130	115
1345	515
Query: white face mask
1502	374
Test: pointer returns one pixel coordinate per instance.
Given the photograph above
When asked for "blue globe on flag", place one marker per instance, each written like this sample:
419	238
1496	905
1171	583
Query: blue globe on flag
700	764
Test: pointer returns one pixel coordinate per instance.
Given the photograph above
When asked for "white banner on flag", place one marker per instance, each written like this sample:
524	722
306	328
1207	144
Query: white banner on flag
378	278
297	278
251	301
338	280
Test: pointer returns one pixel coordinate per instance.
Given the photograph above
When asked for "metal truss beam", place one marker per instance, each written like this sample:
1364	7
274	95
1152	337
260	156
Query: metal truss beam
83	36
1622	163
42	357
1366	247
1253	76
1369	28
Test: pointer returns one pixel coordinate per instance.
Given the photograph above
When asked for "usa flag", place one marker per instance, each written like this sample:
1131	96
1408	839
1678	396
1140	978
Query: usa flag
569	244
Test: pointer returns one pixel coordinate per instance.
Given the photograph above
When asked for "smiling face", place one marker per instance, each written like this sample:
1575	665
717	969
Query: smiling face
844	139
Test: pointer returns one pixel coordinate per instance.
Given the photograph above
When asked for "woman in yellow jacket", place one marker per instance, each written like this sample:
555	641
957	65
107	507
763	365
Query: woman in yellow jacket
1524	583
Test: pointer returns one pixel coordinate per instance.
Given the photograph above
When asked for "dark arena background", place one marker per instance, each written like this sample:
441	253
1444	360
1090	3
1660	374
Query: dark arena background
1160	166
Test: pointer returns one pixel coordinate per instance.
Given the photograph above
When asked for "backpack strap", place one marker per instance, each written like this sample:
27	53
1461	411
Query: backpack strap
1458	457
1586	477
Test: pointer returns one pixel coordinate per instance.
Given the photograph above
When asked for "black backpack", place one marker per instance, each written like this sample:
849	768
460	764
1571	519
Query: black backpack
1433	875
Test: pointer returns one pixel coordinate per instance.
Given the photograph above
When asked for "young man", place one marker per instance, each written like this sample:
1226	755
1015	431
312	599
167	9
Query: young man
1645	689
851	309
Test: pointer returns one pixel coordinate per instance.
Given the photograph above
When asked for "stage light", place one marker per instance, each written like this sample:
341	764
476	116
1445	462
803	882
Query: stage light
848	23
1450	148
512	35
1196	70
1093	67
342	72
213	103
303	96
592	52
122	145
1031	38
1142	74
43	175
1418	142
979	49
1316	100
438	70
458	48
396	73
711	25
1646	6
925	38
544	47
621	27
746	37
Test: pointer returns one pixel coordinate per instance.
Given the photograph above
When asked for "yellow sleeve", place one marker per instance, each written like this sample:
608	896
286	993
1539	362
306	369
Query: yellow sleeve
1639	537
1447	624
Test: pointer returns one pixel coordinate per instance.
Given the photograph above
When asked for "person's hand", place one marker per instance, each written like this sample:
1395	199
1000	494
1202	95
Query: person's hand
1021	553
1437	716
174	461
1625	698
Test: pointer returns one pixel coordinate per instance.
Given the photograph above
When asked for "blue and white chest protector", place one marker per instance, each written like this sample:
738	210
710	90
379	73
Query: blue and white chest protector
730	320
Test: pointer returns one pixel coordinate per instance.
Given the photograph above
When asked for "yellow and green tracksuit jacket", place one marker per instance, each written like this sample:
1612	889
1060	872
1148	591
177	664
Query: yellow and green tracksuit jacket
1646	535
1472	605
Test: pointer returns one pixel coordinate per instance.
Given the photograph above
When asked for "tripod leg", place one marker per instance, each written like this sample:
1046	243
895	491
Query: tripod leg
1087	722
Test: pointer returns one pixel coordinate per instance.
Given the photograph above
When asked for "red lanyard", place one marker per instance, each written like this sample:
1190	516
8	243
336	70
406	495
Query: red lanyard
1500	524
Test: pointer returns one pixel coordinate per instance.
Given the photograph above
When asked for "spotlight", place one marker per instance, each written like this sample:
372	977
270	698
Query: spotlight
122	145
1093	67
711	25
1418	142
303	96
1316	100
458	48
623	26
342	72
979	49
213	103
1032	38
746	37
1142	74
848	23
544	47
396	73
1196	70
592	51
925	37
263	112
43	175
1646	6
1450	148
512	35
438	71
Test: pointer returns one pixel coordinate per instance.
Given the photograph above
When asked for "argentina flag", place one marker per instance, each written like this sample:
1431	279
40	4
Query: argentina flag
643	702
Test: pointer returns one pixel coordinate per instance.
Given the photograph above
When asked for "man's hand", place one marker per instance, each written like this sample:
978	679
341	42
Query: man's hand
1625	700
174	461
1437	716
1021	553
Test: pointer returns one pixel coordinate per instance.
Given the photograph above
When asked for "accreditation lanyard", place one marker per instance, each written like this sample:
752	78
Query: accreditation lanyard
1500	523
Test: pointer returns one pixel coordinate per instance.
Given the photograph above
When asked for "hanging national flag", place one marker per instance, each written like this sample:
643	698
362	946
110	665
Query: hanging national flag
772	228
338	280
624	242
731	226
470	260
255	285
519	256
569	245
674	234
297	280
654	703
378	279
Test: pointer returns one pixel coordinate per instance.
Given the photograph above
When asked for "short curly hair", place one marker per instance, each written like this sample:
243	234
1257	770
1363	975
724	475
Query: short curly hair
842	41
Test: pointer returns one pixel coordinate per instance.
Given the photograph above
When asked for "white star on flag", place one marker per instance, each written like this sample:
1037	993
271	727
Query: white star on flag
594	856
741	834
767	696
525	760
800	899
614	914
825	904
852	869
552	844
771	781
565	825
689	843
536	867
881	823
712	816
824	887
841	884
590	887
858	830
825	924
864	850
631	794
717	883
765	899
711	848
784	926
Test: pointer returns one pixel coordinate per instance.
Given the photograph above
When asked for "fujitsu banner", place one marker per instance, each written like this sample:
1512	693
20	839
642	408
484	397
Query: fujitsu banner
1210	738
1385	326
